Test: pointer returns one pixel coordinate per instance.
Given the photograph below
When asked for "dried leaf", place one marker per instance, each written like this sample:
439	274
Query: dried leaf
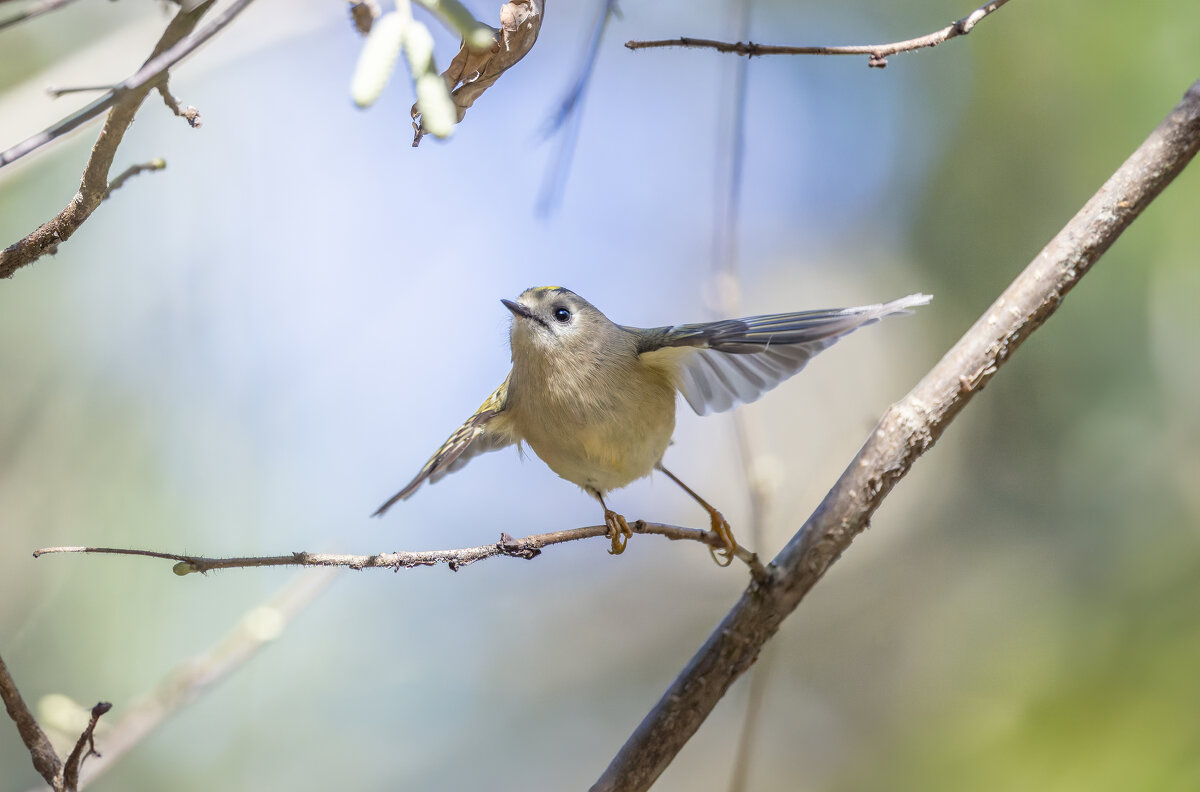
473	72
363	14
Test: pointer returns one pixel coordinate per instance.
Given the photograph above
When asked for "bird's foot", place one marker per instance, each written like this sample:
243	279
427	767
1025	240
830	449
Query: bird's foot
618	531
723	555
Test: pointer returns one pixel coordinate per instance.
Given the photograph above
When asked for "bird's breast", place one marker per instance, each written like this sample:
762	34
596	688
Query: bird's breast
600	429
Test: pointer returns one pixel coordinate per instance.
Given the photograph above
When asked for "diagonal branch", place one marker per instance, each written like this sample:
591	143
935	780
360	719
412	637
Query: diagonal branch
170	50
125	100
45	760
529	547
879	52
36	10
906	431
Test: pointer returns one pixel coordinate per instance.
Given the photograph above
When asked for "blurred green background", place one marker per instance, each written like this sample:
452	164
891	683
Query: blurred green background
246	353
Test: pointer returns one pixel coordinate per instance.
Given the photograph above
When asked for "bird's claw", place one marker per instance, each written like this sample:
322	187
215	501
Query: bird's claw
618	531
724	555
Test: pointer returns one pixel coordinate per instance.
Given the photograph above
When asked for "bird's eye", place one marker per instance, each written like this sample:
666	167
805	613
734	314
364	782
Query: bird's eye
562	315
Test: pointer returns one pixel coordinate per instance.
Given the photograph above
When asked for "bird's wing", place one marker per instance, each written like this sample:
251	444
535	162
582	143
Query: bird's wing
486	430
718	365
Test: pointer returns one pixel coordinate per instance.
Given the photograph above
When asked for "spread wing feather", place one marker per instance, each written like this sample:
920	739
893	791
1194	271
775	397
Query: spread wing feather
717	365
481	433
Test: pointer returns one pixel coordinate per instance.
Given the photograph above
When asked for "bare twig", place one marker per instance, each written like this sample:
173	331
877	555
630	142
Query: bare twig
45	760
878	52
189	113
906	431
170	50
125	100
59	92
85	746
62	777
130	172
529	547
35	10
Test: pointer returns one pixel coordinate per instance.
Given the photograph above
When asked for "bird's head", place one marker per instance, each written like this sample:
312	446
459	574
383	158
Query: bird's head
551	319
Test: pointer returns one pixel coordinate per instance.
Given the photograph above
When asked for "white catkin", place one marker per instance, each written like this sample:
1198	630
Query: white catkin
378	59
438	113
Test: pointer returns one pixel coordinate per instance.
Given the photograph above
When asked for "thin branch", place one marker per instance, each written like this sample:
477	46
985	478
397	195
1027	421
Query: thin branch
879	52
45	760
35	10
189	113
171	49
126	98
529	547
906	431
130	172
85	746
57	93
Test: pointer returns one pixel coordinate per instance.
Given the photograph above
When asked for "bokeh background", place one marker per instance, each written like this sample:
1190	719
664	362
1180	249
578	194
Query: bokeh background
245	354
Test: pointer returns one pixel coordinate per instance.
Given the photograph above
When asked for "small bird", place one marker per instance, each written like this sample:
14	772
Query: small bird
596	400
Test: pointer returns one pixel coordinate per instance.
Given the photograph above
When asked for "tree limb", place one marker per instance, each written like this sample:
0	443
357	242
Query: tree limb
529	547
879	52
170	50
906	431
45	760
35	10
125	100
62	777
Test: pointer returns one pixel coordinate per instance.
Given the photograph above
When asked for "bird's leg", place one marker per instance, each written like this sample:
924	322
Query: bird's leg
618	528
720	526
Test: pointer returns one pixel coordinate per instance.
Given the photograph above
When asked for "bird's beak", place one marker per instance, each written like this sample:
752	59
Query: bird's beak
519	311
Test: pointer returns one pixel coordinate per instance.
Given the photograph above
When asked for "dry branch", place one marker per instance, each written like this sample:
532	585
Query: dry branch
906	431
35	10
94	186
124	99
61	776
45	760
879	52
529	547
